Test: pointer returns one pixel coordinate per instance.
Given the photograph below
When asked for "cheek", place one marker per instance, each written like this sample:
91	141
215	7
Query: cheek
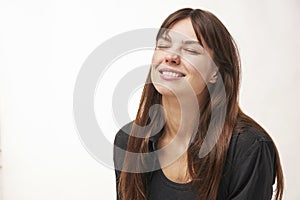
154	57
157	57
197	82
200	74
202	69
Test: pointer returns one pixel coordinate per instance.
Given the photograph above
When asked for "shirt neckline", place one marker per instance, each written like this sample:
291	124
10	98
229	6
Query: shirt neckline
182	186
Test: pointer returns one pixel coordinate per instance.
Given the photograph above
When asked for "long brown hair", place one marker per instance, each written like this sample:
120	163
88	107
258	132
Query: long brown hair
208	28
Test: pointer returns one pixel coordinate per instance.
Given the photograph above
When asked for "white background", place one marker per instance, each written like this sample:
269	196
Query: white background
43	45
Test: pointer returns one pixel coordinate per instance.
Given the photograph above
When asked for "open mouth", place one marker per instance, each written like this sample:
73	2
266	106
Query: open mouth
171	73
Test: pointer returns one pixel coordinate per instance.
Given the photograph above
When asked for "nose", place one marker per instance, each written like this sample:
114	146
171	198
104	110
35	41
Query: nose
172	59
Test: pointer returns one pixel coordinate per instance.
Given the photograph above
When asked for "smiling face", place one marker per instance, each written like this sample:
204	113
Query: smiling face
180	61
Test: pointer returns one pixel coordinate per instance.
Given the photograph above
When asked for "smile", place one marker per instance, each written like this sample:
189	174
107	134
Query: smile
171	72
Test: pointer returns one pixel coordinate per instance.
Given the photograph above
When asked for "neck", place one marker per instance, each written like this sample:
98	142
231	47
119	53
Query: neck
172	114
181	117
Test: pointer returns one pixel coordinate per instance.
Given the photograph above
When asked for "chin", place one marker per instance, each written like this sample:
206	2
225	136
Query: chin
164	91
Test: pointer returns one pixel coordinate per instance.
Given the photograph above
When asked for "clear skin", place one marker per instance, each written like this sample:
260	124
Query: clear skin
180	50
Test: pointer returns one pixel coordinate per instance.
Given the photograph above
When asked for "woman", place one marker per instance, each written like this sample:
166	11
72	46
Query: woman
205	150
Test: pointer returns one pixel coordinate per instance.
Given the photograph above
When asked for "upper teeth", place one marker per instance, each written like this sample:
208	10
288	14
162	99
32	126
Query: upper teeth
171	74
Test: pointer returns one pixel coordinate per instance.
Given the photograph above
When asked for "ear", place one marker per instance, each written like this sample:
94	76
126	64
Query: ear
214	77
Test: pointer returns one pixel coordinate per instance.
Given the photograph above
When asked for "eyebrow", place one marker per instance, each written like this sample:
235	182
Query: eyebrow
191	42
166	37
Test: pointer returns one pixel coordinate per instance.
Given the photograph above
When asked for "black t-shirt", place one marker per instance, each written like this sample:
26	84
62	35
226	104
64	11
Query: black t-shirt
249	171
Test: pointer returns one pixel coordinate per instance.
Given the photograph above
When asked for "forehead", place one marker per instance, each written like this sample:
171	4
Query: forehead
184	29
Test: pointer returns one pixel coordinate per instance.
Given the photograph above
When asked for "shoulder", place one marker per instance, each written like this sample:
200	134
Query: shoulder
251	142
120	146
249	137
122	136
250	168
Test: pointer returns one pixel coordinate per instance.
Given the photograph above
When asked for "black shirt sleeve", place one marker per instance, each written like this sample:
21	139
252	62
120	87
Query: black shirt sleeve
253	168
120	142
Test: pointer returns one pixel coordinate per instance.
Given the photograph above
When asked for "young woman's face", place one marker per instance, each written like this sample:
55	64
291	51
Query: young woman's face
179	61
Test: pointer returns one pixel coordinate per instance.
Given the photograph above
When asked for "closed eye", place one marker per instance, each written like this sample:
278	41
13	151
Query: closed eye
163	46
193	51
163	43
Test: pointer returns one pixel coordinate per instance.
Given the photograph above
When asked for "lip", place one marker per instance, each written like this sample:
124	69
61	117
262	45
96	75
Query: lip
170	78
171	70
